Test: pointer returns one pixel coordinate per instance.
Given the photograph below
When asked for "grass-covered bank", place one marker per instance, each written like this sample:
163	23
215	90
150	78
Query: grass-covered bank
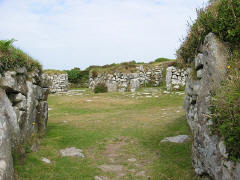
222	18
12	58
97	123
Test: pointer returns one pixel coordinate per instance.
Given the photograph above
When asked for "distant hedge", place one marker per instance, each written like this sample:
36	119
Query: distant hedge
12	58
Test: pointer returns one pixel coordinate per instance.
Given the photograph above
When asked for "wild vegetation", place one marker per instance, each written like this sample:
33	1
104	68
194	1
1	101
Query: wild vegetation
222	18
226	108
128	67
219	17
78	78
12	58
111	128
100	88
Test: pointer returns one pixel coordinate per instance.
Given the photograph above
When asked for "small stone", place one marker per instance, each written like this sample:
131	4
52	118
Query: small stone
100	178
111	168
176	139
46	160
132	160
72	152
132	170
141	173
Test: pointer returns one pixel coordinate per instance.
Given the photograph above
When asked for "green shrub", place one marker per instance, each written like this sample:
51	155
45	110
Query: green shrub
226	108
77	77
12	58
94	74
100	88
219	17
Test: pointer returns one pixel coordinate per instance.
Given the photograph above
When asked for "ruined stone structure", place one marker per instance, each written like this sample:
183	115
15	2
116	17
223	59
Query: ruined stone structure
122	82
209	152
58	82
23	113
175	78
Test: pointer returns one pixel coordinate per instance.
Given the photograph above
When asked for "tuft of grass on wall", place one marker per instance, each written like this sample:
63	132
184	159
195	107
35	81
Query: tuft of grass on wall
12	58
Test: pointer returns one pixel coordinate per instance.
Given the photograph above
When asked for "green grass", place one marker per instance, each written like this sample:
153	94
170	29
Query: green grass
110	117
12	58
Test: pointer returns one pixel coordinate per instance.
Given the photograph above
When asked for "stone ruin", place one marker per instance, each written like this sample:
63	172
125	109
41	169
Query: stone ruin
209	152
58	82
175	78
123	82
23	113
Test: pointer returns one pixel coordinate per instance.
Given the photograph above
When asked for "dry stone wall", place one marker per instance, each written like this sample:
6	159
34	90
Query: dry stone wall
122	82
209	152
58	82
23	113
175	78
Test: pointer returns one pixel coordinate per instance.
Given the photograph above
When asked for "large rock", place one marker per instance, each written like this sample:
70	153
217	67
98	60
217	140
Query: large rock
9	134
23	113
209	151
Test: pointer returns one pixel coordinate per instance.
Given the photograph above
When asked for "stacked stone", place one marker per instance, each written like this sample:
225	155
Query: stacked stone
23	112
209	152
175	78
122	82
59	83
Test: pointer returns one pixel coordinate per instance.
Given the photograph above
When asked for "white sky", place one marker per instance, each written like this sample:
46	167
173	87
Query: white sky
63	34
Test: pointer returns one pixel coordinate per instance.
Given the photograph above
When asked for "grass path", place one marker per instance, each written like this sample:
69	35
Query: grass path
119	134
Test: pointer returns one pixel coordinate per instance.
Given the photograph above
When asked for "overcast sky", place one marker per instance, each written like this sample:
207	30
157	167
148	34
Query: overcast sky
63	34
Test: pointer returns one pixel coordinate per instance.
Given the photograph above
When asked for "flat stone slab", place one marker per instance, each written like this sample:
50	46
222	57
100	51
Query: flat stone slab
132	160
72	152
45	160
111	168
141	173
100	178
176	139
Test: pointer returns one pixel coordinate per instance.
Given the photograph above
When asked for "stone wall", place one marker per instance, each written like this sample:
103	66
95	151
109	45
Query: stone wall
23	113
122	82
209	152
58	82
175	78
144	76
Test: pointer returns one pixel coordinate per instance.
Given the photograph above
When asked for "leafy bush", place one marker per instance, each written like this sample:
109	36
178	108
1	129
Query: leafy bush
77	77
226	108
100	88
220	17
12	58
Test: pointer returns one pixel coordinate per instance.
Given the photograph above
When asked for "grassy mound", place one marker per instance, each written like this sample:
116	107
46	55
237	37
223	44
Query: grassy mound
12	58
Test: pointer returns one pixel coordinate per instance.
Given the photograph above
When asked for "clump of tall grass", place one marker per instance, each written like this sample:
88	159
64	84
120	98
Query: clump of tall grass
12	58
